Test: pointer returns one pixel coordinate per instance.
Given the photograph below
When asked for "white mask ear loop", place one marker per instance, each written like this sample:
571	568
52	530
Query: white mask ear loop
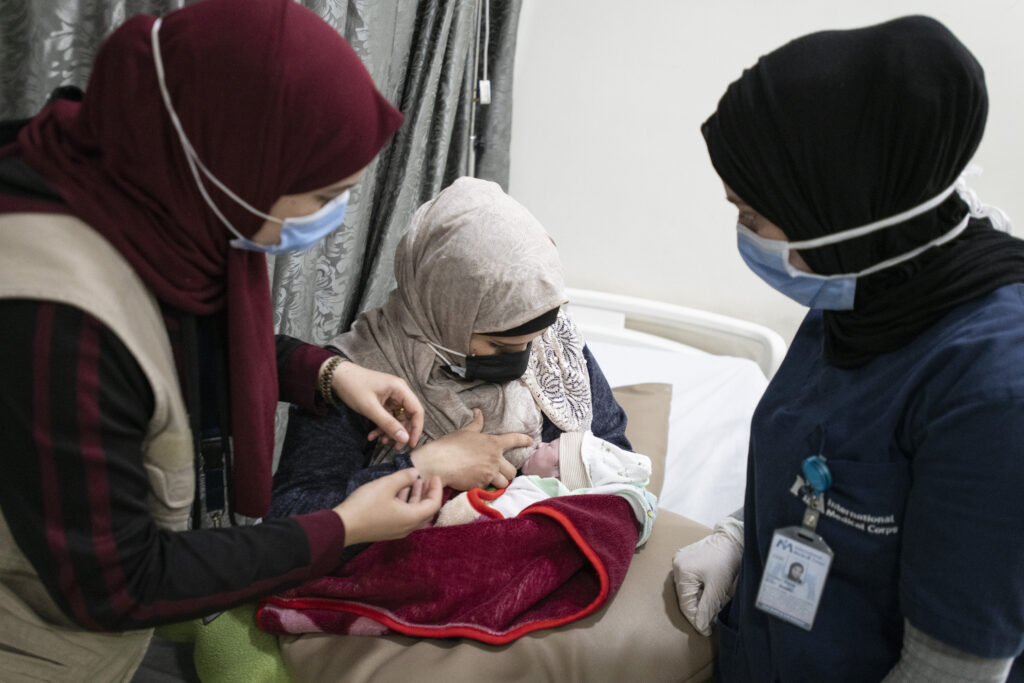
458	370
434	347
941	239
1000	219
853	233
190	154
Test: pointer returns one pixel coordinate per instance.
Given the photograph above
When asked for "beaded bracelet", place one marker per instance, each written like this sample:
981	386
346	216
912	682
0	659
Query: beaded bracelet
326	391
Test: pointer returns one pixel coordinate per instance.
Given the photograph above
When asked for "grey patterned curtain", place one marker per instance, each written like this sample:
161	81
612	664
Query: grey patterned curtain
424	58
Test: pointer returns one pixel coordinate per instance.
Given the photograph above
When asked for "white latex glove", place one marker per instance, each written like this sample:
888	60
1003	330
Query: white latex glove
705	573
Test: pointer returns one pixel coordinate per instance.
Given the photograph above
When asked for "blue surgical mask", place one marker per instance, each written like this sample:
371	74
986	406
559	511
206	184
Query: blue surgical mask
301	233
297	234
769	259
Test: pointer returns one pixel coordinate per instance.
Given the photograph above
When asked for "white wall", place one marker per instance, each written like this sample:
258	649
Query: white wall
606	143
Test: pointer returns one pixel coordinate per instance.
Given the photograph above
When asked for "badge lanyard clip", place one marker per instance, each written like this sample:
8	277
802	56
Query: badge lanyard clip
819	479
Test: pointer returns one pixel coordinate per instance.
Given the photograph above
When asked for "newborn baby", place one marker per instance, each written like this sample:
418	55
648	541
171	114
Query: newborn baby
574	463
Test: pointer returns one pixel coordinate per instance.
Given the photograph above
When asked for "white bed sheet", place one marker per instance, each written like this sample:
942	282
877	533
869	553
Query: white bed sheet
713	399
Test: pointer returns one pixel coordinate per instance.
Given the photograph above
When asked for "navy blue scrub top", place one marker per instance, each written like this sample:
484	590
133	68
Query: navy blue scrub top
926	510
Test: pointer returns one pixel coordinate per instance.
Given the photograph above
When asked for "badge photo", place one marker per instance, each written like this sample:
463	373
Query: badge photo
794	576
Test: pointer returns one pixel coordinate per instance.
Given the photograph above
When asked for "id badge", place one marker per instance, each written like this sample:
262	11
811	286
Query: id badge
794	576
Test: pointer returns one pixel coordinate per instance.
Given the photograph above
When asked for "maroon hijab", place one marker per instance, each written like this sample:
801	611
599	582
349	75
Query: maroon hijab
275	102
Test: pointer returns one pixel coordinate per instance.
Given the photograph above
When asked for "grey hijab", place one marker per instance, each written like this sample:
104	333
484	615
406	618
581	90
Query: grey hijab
475	261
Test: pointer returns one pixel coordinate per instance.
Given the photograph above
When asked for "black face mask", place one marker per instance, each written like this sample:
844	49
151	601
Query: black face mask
498	368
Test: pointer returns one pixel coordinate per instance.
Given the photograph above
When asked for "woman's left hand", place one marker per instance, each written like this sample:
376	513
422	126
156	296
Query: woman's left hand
705	573
384	399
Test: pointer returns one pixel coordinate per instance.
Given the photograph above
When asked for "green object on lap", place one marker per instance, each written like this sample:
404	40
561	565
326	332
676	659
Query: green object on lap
231	649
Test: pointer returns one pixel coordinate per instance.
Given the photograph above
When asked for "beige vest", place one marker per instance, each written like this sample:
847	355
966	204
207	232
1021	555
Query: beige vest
59	258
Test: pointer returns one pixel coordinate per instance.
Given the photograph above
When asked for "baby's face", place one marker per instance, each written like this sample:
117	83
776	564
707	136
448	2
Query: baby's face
543	462
547	453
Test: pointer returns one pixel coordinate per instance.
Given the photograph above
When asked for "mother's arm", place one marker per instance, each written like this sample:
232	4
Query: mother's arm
324	458
609	422
325	450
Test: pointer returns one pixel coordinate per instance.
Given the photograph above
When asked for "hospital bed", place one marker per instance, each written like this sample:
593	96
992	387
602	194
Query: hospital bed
717	367
688	381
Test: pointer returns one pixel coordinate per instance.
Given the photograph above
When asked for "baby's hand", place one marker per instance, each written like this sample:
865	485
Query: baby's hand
543	462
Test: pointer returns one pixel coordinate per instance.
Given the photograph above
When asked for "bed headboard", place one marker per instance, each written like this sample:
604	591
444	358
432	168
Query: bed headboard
644	322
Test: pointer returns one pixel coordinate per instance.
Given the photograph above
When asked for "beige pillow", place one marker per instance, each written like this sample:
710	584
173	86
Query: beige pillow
639	635
647	409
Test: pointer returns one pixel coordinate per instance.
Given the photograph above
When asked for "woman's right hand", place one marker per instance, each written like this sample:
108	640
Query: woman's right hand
705	573
468	458
390	507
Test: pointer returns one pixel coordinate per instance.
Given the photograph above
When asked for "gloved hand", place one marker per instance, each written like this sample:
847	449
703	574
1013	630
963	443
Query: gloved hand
705	573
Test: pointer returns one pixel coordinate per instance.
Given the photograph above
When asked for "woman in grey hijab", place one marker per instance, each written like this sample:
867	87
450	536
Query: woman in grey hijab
474	326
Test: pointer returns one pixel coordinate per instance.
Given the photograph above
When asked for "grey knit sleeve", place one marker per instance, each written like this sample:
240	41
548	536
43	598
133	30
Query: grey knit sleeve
927	659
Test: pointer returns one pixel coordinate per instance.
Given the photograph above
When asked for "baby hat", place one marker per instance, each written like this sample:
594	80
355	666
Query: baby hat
586	461
571	470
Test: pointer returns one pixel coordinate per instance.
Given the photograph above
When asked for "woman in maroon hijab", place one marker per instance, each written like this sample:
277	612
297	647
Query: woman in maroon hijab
138	360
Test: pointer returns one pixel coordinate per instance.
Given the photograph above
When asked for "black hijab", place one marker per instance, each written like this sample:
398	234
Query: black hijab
838	129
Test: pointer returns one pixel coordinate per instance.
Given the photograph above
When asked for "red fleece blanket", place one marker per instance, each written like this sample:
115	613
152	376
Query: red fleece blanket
490	580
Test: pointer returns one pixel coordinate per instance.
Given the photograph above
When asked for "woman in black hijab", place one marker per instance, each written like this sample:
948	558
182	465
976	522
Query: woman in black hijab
844	153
